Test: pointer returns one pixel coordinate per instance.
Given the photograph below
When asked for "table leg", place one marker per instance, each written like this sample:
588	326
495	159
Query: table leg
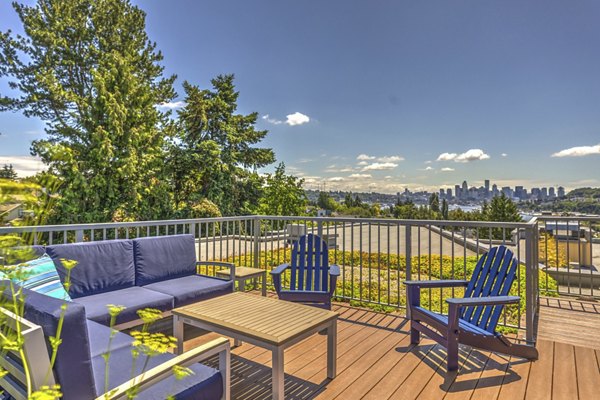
178	332
242	285
278	374
332	349
264	283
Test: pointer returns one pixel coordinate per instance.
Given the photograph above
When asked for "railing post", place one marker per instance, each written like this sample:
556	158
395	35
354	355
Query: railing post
256	259
531	283
79	236
408	259
320	228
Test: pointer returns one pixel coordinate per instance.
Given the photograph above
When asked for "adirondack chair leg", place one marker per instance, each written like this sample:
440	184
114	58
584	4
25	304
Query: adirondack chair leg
415	335
452	337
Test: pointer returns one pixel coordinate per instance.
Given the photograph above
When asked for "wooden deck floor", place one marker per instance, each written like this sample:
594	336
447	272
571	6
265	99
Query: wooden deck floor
570	321
376	361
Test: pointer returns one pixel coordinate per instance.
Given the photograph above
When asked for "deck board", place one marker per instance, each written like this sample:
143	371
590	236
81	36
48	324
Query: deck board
377	361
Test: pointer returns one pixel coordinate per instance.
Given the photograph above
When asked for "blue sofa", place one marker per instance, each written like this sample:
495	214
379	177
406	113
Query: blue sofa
157	272
80	367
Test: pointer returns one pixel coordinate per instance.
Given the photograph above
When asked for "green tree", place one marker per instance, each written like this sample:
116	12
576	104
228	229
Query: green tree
88	69
8	172
326	202
445	213
348	201
434	203
283	194
502	209
213	155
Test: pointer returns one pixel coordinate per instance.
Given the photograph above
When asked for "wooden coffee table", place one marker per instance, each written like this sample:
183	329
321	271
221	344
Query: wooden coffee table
262	321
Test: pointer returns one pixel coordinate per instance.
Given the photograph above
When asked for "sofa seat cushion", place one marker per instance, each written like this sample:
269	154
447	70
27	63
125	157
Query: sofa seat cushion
193	288
205	384
164	257
99	336
101	267
133	298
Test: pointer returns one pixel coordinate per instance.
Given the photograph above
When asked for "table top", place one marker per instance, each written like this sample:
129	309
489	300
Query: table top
266	319
241	272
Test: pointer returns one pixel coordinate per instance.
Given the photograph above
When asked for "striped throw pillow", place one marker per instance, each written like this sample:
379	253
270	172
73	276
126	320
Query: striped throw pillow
43	278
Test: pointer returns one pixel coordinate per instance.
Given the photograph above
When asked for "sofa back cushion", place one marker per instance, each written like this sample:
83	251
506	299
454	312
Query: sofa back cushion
73	365
164	257
101	266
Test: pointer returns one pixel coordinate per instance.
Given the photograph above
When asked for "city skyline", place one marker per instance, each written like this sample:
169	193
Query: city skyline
380	97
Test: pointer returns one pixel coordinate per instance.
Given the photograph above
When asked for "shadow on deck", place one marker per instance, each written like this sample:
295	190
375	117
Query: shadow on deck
376	361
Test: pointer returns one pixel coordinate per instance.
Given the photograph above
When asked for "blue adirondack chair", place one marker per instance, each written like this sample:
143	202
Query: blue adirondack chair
471	320
312	279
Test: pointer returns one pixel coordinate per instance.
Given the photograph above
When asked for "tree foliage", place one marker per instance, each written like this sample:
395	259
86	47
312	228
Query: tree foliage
283	194
214	155
88	69
8	172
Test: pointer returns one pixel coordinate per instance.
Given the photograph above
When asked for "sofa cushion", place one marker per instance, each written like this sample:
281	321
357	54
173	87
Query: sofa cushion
133	298
190	289
164	257
205	384
73	365
99	336
101	266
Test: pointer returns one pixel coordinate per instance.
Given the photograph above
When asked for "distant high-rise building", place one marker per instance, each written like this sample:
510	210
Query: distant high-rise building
544	193
561	191
519	192
508	192
442	193
551	193
448	193
457	192
464	190
487	188
536	194
495	191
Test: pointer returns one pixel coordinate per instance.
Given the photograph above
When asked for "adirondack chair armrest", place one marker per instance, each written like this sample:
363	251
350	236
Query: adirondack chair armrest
231	266
334	270
482	301
218	346
437	283
276	275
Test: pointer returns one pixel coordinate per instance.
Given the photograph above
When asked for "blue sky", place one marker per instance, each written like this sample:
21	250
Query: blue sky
382	95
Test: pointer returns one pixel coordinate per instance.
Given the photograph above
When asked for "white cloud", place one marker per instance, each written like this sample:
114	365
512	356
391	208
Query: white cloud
363	163
172	105
390	159
447	169
504	155
429	168
578	151
291	119
297	119
380	166
364	157
428	162
271	120
467	156
23	165
336	179
347	169
360	176
447	157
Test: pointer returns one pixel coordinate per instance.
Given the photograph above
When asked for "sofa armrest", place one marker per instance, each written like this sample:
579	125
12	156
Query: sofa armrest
231	266
218	346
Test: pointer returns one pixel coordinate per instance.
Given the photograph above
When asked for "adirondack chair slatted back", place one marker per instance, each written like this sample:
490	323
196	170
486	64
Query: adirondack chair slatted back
494	275
310	265
34	353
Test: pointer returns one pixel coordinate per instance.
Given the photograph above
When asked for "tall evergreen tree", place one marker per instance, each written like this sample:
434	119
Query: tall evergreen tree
214	156
88	69
8	172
